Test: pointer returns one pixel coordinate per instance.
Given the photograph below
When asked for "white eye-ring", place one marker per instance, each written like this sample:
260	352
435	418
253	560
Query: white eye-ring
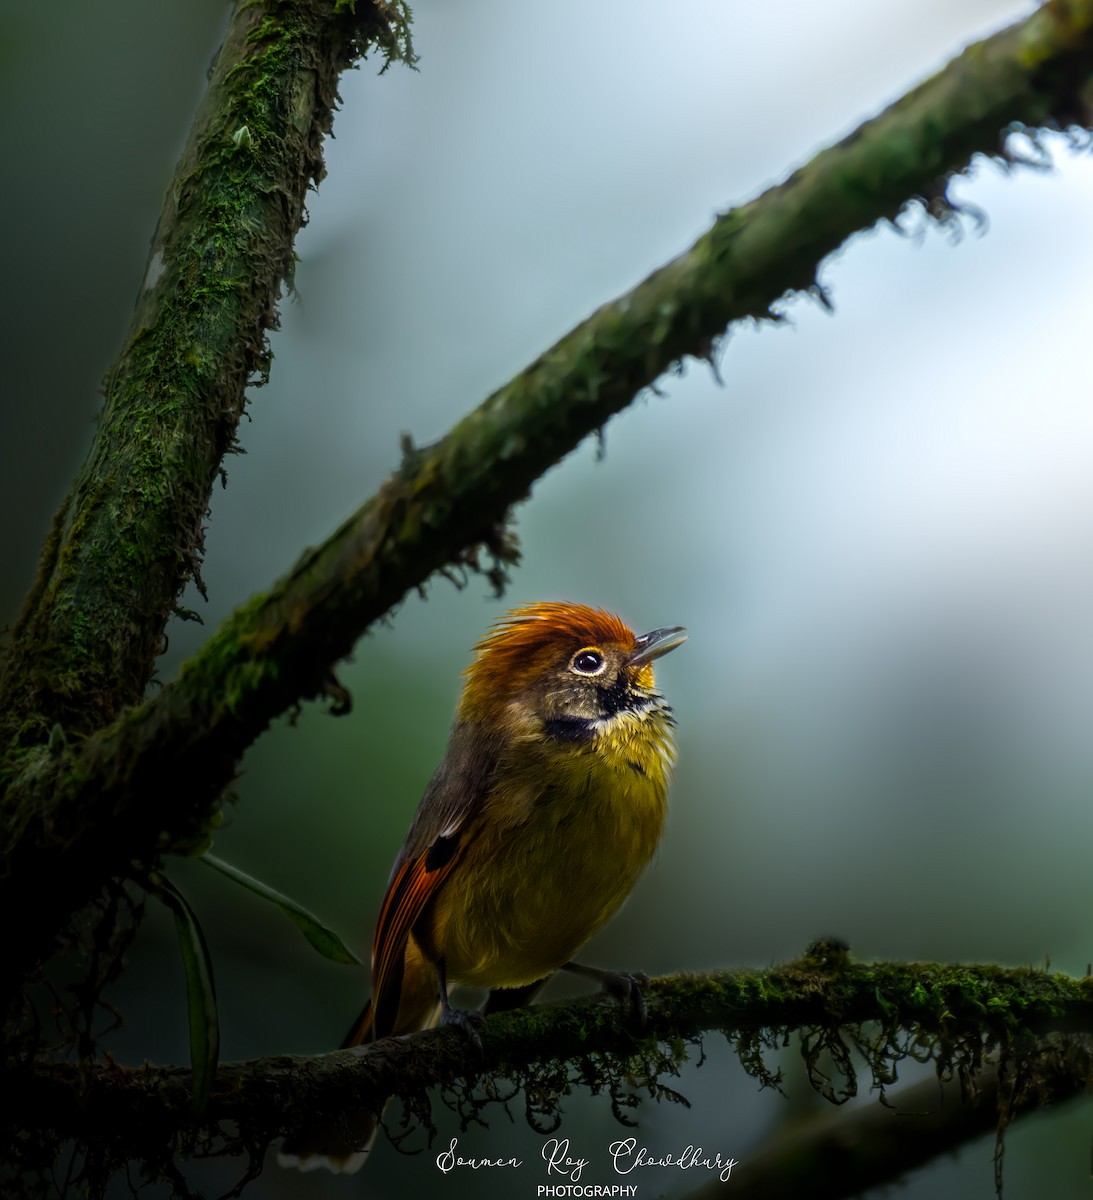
588	661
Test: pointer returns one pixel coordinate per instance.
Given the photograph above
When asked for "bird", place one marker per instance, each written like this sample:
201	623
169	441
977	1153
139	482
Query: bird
548	804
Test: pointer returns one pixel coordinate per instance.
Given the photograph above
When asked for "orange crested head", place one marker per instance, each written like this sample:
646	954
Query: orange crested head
557	662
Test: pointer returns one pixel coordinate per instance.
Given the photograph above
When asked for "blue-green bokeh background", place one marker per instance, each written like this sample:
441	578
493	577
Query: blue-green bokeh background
879	530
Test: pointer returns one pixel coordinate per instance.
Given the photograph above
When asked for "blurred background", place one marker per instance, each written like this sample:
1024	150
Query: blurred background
879	531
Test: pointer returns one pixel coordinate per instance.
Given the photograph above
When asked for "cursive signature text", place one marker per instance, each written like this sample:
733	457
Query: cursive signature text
628	1155
558	1160
449	1160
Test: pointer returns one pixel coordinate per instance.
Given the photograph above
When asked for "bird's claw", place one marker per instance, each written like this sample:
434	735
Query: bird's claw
626	987
468	1023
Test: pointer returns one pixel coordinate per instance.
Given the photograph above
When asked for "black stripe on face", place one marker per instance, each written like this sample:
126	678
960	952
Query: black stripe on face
569	729
618	698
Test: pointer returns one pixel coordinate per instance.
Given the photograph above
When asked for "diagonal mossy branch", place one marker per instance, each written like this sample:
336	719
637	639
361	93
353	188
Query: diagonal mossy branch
149	781
873	1144
130	532
959	1017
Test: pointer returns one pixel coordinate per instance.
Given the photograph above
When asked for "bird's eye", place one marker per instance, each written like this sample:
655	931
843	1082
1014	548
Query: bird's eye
587	662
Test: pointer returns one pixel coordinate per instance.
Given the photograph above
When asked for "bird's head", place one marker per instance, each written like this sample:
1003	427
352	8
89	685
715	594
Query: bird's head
568	668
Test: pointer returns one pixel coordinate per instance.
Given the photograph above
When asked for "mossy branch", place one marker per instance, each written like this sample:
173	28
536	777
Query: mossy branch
130	533
852	1151
450	500
961	1018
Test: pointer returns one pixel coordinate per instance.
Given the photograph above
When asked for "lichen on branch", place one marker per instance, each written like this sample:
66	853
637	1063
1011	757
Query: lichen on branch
450	499
871	1017
97	780
130	533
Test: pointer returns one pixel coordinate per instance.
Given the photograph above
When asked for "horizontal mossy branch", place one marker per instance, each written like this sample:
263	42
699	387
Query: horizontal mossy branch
183	746
959	1016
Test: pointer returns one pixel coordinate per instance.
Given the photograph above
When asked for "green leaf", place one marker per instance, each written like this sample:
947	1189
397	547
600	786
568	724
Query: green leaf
322	939
200	990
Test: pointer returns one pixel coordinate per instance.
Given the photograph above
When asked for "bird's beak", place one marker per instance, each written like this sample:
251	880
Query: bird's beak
653	645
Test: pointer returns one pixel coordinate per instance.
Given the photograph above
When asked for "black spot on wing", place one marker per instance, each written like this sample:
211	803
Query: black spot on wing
441	852
636	767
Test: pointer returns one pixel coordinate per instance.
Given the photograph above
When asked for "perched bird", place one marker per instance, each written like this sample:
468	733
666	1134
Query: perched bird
549	802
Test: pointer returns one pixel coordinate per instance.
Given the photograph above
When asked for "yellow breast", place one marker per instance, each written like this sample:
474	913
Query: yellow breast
559	845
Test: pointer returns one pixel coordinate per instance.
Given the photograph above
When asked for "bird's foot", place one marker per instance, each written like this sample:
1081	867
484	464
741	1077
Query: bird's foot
468	1023
624	986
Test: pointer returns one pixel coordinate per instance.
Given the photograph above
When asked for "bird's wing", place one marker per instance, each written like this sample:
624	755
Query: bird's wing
439	834
412	886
